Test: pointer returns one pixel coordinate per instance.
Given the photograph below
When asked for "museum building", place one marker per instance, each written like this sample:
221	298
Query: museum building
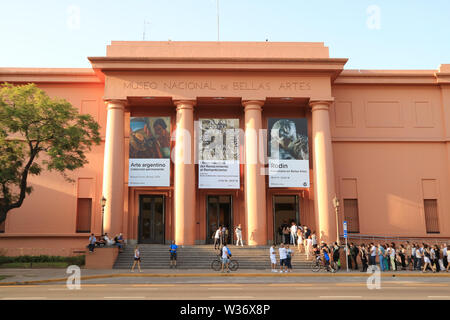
201	134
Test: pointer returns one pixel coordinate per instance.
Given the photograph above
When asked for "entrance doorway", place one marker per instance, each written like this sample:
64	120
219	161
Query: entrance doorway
151	219
218	213
285	210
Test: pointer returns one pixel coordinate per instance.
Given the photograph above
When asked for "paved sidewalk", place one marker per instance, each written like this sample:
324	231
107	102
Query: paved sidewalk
30	276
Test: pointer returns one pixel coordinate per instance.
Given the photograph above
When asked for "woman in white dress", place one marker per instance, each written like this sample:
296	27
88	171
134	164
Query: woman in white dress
308	247
300	240
238	232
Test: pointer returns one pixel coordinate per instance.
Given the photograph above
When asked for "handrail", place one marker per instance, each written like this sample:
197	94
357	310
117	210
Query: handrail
397	238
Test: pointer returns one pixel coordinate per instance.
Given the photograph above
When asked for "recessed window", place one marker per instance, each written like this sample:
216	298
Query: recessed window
431	215
84	210
351	215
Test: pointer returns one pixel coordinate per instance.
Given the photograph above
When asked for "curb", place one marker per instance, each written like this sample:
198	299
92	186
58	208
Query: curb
200	275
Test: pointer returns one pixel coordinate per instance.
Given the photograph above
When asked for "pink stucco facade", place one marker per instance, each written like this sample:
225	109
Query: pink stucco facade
380	137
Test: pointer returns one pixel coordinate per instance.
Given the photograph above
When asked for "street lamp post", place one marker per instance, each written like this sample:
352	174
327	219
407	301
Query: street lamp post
336	209
103	204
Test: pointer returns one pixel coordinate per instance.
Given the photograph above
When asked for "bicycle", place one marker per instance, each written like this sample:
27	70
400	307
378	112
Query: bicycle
319	263
216	264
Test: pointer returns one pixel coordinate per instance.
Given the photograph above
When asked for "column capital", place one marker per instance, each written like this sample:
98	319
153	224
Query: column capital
115	104
320	104
253	104
184	104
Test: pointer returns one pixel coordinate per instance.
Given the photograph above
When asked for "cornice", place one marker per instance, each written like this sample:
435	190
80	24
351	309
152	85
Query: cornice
49	75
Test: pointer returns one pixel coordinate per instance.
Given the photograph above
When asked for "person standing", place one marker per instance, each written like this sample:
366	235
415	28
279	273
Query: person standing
348	256
226	255
217	238
273	258
92	241
173	255
448	257
408	256
373	256
413	257
444	256
326	256
392	255
354	252
289	255
283	256
308	247
381	256
363	255
286	234
137	259
238	232
300	239
293	231
314	238
223	235
336	255
419	257
426	258
401	254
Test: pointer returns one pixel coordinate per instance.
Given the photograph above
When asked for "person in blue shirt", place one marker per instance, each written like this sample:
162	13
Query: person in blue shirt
92	241
381	253
173	255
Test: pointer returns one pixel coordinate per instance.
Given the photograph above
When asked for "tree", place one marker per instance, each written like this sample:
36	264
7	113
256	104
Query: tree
33	125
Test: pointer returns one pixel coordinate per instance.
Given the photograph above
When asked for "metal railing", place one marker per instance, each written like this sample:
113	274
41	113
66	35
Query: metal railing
377	238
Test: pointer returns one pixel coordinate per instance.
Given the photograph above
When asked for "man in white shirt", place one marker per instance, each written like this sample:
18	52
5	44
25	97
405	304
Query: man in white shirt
283	256
273	258
392	256
293	233
373	256
217	238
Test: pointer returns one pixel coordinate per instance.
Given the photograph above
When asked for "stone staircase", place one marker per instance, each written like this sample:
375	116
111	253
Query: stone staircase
200	257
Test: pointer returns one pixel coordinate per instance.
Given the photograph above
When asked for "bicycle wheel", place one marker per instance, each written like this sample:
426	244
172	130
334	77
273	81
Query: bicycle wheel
315	266
216	265
234	265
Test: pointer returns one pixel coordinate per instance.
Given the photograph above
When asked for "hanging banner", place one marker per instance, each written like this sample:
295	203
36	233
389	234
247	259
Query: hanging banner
218	154
288	153
149	157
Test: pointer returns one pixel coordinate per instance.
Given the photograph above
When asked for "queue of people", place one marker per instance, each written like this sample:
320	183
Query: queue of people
406	256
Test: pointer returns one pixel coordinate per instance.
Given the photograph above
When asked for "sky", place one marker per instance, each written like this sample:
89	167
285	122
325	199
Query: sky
375	34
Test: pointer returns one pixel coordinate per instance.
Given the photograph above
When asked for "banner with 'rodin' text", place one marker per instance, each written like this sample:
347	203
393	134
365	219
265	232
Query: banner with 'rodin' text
149	157
288	153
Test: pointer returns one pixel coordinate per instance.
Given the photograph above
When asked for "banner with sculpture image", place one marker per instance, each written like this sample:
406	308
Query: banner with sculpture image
288	153
149	156
218	154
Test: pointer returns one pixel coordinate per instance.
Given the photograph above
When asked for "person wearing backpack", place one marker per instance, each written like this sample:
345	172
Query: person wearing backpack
226	256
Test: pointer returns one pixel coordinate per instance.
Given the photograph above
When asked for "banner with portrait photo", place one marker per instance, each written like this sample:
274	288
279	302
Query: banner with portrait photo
149	156
288	153
218	154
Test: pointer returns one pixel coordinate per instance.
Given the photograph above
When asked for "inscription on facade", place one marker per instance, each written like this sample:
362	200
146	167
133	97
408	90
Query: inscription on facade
212	86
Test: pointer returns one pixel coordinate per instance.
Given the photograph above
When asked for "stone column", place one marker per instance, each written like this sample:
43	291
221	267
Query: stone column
113	168
184	193
324	183
255	183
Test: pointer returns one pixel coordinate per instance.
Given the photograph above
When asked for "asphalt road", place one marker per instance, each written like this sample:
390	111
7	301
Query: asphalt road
236	289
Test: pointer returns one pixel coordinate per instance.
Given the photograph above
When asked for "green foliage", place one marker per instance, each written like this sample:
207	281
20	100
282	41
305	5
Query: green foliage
75	260
32	125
